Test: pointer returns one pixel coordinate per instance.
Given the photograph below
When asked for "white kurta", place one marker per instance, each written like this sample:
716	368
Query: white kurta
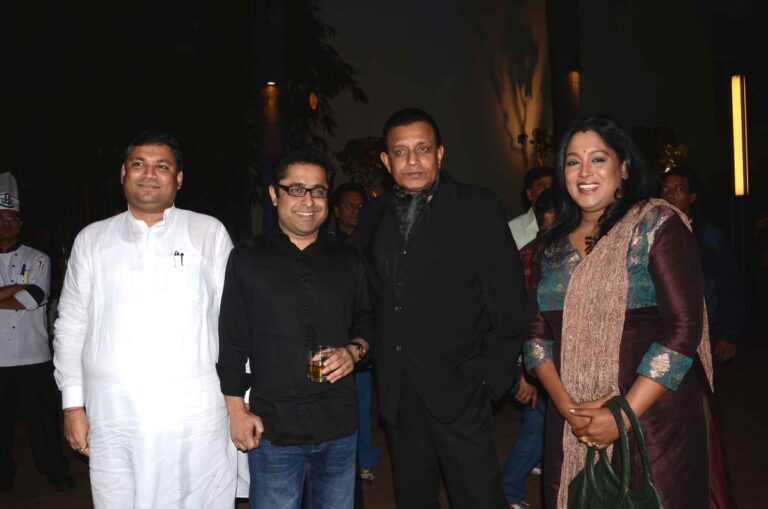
136	342
524	228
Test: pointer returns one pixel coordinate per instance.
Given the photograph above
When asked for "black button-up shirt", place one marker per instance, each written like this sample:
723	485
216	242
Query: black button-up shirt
276	300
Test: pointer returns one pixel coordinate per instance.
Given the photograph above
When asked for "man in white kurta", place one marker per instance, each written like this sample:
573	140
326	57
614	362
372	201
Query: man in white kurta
524	227
136	345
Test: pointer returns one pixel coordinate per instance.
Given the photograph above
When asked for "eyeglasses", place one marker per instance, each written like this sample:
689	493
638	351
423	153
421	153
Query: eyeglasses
10	219
298	191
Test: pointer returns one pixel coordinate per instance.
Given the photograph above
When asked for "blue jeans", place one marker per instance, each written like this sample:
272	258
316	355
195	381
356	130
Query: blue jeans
367	455
526	452
280	474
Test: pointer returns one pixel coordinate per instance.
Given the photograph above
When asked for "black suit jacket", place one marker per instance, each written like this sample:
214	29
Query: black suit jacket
453	318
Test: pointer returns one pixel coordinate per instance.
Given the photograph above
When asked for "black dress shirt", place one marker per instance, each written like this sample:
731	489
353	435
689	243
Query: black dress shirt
276	300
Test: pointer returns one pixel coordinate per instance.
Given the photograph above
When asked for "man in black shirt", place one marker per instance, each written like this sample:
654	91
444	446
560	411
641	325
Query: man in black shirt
447	293
284	291
348	199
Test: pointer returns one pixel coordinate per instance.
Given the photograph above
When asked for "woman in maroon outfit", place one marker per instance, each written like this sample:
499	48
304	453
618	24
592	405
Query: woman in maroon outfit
617	307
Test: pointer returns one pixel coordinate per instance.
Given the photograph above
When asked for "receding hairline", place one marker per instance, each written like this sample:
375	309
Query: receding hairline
131	148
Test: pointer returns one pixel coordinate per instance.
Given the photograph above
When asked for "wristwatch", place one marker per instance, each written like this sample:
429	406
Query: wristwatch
361	350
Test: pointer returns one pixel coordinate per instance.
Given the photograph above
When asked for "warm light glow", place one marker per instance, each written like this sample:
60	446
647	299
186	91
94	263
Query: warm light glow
313	101
271	84
573	78
740	154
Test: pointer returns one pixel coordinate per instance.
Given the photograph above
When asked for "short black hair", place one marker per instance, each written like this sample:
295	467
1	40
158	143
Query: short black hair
409	116
152	137
685	171
544	203
302	155
536	173
348	187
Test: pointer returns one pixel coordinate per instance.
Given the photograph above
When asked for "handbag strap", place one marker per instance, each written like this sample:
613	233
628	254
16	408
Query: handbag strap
614	407
638	430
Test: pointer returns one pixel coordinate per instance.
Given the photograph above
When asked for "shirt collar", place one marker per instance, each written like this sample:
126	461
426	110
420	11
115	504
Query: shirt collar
168	215
281	238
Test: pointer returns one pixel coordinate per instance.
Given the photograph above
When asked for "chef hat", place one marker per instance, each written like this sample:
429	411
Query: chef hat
9	192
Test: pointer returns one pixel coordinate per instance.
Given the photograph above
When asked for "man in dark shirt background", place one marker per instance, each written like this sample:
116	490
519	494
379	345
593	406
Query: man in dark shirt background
284	291
348	199
723	290
447	292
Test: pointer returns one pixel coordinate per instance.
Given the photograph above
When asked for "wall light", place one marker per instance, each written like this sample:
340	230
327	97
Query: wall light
314	101
740	152
271	84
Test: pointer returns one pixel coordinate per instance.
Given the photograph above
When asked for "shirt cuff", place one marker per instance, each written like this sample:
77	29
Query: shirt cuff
72	396
25	299
537	352
234	382
664	366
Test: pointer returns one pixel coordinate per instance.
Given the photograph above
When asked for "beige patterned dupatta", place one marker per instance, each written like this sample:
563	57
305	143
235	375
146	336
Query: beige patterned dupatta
593	322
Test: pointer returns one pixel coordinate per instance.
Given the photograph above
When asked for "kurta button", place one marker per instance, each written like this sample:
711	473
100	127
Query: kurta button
405	252
398	309
399	348
400	283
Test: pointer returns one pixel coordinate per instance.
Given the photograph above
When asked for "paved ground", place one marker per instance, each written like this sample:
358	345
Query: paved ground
745	385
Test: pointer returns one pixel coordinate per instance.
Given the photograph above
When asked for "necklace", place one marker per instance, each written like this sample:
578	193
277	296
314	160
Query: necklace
589	241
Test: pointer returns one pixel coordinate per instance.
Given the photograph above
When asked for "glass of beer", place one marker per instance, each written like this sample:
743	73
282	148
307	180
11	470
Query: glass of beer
316	355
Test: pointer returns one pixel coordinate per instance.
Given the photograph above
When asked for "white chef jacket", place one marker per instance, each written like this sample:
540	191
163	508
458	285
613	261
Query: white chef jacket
524	228
136	342
24	332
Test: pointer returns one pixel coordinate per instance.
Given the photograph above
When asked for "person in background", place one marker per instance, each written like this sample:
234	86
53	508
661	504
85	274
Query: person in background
26	371
527	451
524	227
723	288
347	201
448	300
136	344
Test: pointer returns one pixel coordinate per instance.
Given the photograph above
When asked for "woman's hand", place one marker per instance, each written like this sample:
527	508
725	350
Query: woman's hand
601	430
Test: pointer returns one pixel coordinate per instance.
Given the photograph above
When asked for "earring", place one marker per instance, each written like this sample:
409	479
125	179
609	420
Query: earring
619	193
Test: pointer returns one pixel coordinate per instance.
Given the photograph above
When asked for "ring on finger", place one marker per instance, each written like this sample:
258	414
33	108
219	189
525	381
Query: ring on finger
81	450
584	440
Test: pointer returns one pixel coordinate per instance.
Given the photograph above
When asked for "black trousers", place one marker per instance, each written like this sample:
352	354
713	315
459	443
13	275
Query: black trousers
463	449
32	391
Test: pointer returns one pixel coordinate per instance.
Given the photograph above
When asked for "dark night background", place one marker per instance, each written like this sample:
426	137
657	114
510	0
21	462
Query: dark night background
82	78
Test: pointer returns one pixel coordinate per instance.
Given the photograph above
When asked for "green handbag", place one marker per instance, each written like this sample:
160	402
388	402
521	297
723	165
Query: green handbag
598	487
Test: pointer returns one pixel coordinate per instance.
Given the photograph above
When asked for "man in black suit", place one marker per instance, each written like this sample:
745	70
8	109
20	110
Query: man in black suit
447	291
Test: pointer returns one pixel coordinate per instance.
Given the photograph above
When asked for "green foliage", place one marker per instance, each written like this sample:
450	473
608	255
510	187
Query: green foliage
360	160
312	64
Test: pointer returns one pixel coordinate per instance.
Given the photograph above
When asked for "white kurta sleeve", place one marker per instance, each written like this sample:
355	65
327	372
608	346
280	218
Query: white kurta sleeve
223	246
71	326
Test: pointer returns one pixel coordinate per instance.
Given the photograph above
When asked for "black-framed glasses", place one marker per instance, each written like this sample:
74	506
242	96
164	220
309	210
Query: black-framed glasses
298	191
